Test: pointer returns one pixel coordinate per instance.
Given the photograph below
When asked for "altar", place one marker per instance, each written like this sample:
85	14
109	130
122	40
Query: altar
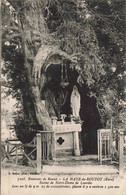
66	138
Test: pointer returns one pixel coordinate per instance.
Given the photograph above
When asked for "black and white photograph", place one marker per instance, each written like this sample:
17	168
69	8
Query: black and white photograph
63	97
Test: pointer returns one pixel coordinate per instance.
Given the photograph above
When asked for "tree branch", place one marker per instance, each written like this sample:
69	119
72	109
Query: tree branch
15	3
5	84
42	59
9	37
8	28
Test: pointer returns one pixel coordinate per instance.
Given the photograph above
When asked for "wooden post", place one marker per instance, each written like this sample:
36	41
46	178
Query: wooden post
16	160
121	136
39	152
111	123
98	143
48	145
100	146
8	152
76	144
100	150
53	146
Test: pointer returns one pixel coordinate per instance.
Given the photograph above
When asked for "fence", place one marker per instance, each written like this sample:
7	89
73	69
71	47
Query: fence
47	145
14	148
105	150
43	146
104	144
121	148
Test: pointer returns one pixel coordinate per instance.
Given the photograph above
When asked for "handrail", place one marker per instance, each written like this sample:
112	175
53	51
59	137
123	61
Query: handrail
39	131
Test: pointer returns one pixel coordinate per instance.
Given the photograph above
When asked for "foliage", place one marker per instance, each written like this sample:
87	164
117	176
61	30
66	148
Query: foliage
24	130
91	32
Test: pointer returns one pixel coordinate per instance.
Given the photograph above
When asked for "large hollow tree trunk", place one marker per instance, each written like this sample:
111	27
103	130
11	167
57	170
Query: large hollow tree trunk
32	27
41	113
39	49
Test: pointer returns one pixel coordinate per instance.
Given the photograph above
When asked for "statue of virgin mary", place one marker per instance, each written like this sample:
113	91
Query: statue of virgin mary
75	102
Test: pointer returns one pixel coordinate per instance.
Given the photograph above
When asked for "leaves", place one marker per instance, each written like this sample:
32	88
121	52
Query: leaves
89	34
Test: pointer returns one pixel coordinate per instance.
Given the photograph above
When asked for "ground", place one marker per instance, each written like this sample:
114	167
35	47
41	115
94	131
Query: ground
67	165
72	175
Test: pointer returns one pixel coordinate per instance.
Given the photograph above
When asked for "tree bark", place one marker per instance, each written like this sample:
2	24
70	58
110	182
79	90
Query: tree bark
37	59
41	112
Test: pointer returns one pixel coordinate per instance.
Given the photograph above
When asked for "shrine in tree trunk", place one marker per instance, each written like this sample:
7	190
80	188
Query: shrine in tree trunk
73	135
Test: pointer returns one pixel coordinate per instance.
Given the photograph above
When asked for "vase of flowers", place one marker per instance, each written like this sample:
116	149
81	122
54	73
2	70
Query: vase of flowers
71	118
63	116
54	120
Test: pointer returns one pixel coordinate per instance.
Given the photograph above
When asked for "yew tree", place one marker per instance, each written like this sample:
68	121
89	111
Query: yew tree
89	35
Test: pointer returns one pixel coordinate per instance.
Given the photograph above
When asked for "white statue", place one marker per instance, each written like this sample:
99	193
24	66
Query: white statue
75	102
